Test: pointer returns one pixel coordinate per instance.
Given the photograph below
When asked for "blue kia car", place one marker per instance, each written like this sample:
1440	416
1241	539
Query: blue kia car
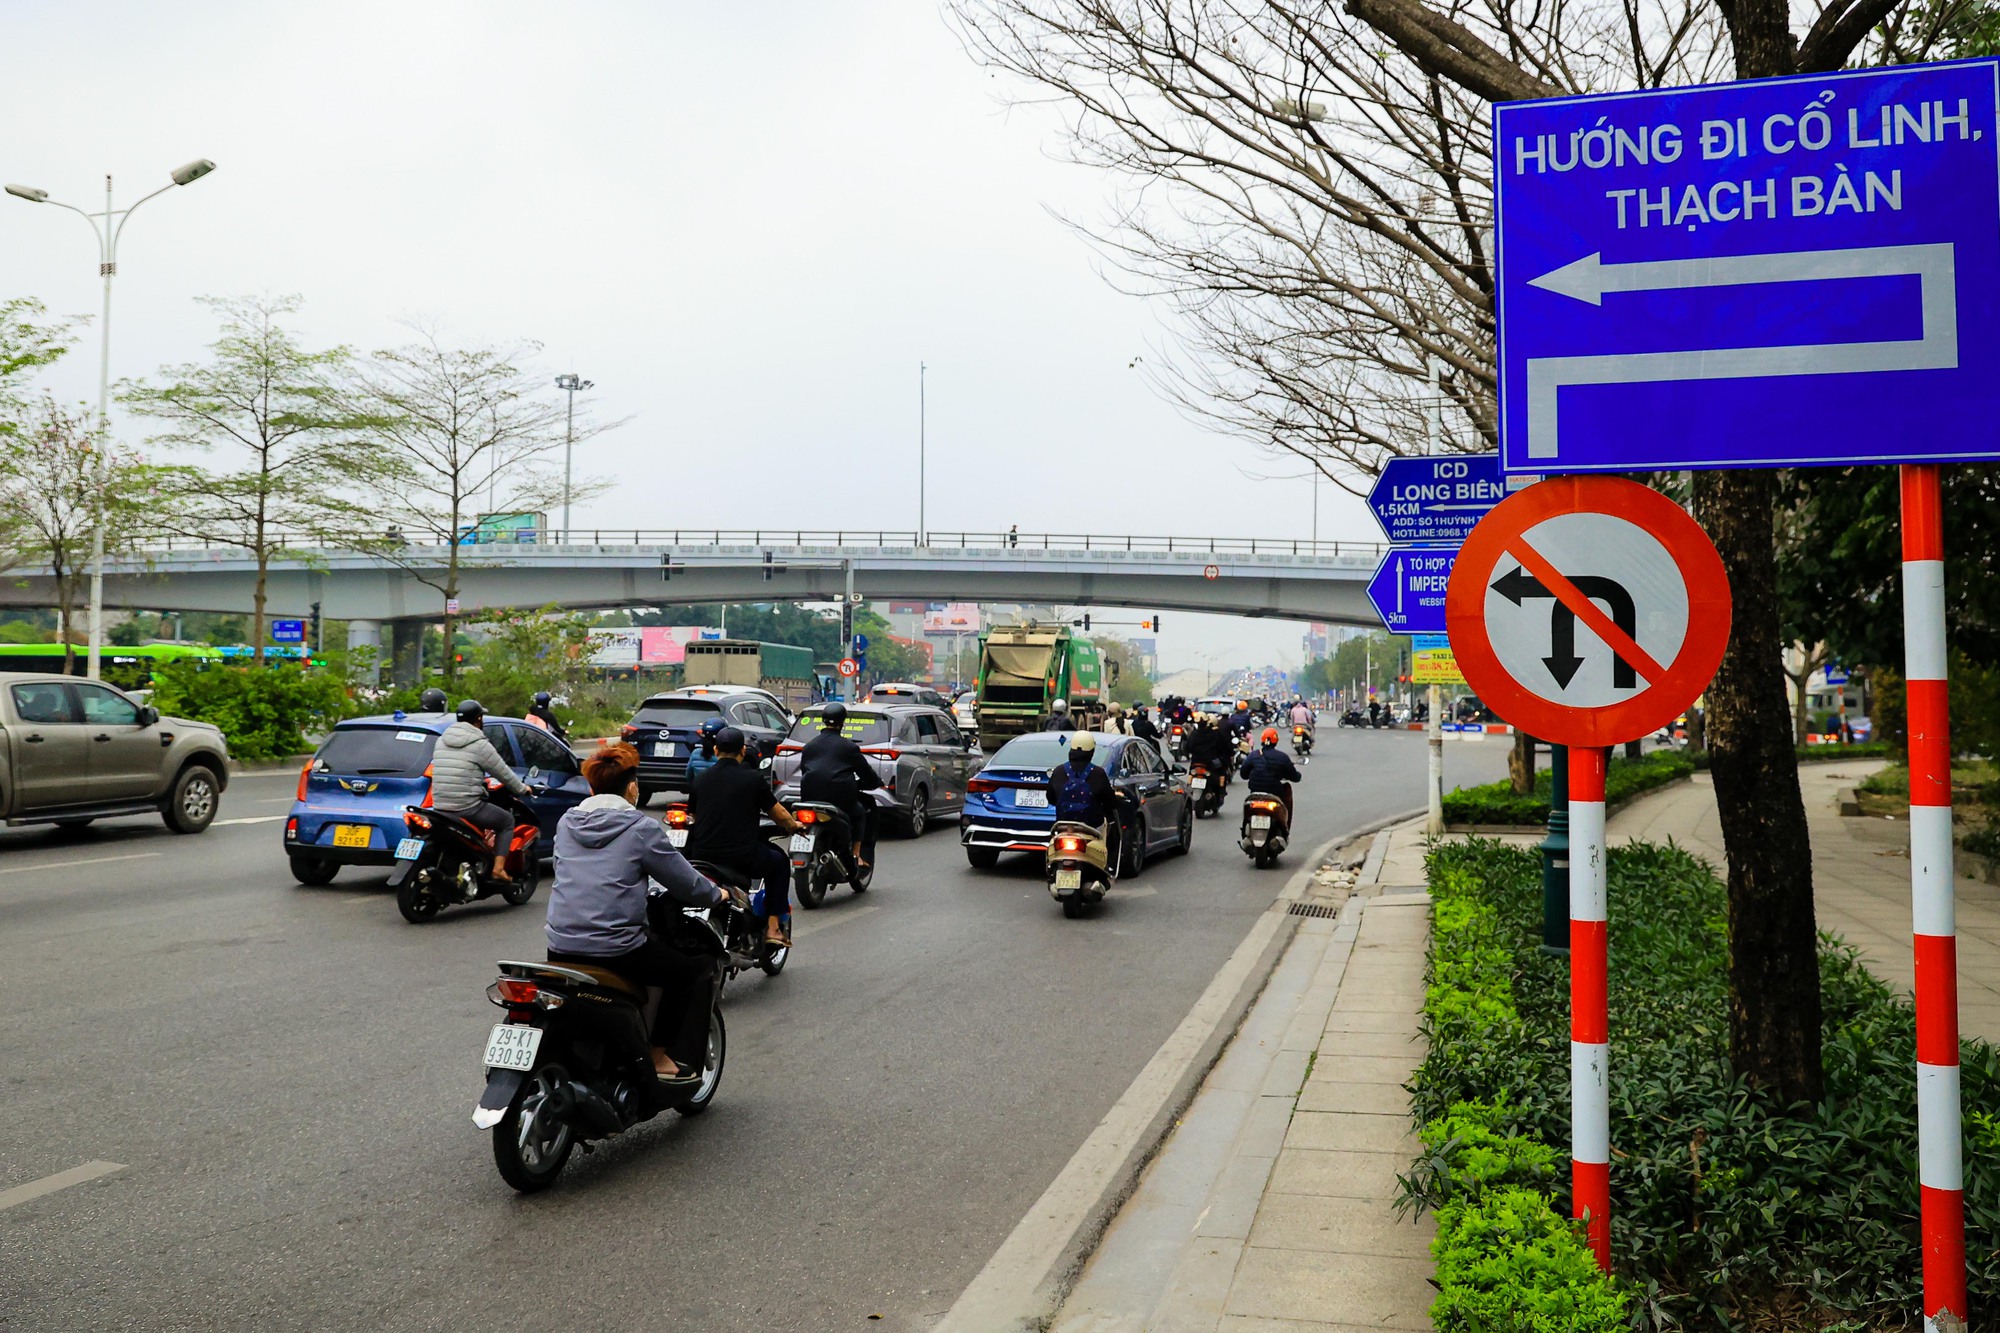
349	810
1007	809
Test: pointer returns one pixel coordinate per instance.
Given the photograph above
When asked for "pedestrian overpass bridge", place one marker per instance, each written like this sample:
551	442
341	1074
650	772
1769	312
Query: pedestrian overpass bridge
606	568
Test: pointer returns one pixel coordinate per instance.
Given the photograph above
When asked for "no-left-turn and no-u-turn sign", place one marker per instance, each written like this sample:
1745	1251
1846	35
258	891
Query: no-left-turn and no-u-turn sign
1588	610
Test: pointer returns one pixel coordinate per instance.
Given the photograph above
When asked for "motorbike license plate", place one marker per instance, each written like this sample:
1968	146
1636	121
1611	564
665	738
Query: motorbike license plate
409	849
1069	879
677	837
663	750
1037	800
350	835
1260	821
1199	784
802	842
512	1046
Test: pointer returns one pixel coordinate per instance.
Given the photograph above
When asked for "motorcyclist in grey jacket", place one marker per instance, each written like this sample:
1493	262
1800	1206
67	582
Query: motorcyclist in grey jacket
460	765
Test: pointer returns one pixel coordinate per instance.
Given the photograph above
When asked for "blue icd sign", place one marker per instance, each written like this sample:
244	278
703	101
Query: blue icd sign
1761	274
1436	499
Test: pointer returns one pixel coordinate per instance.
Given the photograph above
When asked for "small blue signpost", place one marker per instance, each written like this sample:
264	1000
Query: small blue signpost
1408	588
1435	500
1773	273
288	631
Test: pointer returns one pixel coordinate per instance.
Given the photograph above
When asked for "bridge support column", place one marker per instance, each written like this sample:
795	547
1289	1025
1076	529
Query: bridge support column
406	661
364	634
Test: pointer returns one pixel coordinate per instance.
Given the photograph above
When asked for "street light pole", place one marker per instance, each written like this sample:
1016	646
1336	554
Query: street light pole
107	268
922	479
569	384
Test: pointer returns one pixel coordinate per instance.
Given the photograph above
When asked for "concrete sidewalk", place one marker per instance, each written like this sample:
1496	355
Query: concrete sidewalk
1271	1208
1861	880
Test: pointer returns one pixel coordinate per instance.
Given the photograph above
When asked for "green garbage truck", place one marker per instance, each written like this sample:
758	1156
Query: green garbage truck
1024	669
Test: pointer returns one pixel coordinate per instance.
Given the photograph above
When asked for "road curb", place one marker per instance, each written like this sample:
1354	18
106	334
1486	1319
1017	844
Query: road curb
1025	1282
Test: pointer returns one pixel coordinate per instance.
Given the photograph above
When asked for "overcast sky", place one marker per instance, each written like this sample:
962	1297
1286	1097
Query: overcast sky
746	223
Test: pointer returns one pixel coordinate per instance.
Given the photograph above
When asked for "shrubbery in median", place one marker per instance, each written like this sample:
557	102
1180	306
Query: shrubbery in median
1727	1212
264	712
1499	803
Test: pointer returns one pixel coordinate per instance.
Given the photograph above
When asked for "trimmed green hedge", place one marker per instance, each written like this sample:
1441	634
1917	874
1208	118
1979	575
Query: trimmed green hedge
263	711
1499	803
1727	1211
1819	754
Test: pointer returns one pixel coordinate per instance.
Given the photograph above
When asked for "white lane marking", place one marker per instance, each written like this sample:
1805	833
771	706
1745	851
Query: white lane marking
820	923
85	861
250	819
61	1180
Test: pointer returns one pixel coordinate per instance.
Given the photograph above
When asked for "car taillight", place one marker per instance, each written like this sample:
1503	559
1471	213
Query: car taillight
808	816
881	752
1069	844
515	991
982	785
304	774
292	829
627	732
416	819
790	747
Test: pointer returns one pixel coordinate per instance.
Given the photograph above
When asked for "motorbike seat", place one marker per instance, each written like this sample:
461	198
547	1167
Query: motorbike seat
734	879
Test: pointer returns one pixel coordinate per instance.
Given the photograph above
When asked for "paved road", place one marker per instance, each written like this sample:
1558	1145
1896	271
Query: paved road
288	1075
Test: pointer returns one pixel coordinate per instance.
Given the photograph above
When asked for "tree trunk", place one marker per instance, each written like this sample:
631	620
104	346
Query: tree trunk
1774	1019
1521	763
257	600
1801	723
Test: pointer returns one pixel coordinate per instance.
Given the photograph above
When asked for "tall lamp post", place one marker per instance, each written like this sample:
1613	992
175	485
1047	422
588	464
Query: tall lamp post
571	385
112	227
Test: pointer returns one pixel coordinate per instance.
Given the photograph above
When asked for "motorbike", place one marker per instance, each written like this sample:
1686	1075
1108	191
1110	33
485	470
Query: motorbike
1353	718
823	855
445	860
744	932
1079	869
1177	742
571	1062
1265	829
1208	788
1302	740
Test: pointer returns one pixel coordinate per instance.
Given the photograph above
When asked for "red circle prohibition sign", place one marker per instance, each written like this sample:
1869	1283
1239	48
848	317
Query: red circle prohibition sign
849	667
1501	544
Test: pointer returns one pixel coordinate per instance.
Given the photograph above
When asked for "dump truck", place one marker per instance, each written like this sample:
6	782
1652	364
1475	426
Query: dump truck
1024	669
781	668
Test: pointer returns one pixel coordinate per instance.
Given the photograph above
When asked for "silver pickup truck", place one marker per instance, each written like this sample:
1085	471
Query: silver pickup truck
76	750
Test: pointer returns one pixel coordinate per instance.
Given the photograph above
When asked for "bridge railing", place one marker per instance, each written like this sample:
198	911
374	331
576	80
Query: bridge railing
392	539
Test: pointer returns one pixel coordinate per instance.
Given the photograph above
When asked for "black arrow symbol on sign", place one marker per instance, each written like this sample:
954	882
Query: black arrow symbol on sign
1562	660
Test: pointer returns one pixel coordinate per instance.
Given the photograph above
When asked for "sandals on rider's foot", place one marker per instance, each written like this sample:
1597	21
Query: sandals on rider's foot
682	1075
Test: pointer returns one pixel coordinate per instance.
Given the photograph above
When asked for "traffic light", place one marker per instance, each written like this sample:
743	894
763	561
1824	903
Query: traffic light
1086	622
315	640
770	571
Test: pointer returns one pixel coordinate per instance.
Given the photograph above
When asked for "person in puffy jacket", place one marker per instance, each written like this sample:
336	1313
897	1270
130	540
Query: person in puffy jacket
460	765
1270	771
606	851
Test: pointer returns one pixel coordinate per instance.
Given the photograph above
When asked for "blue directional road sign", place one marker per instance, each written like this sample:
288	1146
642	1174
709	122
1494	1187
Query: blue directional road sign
1436	500
1408	588
1836	675
1762	274
288	631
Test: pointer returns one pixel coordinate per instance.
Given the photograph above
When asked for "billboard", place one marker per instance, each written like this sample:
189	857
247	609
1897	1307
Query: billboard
952	618
654	645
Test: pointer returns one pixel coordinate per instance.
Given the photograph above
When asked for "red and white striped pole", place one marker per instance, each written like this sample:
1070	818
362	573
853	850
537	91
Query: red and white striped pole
1589	1003
1934	924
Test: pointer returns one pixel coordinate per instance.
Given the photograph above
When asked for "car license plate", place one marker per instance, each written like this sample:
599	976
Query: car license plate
513	1046
802	842
1069	879
1260	821
1035	800
1199	784
677	837
409	849
663	750
350	835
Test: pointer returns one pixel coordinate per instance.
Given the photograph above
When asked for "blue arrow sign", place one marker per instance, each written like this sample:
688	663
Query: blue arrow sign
288	631
1408	588
860	644
1436	500
1760	274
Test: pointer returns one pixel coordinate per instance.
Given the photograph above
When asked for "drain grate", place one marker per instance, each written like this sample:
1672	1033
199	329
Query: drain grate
1313	909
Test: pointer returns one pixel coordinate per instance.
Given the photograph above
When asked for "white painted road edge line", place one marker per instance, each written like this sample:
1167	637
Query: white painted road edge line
83	861
249	819
61	1180
1019	1288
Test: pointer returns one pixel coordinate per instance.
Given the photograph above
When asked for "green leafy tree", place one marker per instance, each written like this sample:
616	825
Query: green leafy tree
1133	686
289	446
516	653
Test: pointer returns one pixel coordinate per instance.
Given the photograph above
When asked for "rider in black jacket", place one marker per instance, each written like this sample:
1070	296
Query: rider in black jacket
1271	771
833	771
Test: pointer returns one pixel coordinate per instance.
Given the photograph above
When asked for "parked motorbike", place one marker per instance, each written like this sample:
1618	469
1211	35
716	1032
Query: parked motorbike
1302	740
1266	829
572	1061
1353	718
446	860
1209	788
823	855
1079	869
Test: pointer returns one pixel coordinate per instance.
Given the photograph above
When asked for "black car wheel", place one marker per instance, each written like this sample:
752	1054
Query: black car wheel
314	870
191	804
1186	844
983	858
1135	848
919	818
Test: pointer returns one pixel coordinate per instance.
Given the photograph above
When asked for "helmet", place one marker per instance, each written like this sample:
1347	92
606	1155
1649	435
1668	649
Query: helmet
1083	743
431	701
471	710
542	698
1117	709
1242	705
833	715
1270	735
712	726
1059	706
